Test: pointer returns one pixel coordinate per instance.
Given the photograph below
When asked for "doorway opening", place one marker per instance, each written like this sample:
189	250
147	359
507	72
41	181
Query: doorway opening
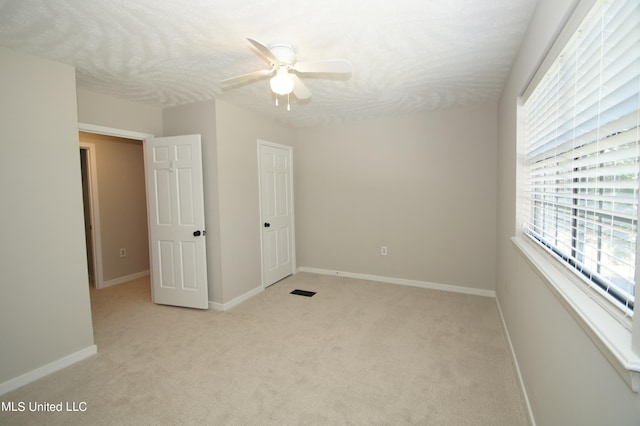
116	216
177	163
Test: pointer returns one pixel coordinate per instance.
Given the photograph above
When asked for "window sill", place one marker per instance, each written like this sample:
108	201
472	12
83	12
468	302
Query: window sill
611	337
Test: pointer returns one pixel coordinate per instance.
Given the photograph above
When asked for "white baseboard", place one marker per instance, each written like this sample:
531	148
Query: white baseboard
523	389
125	279
221	307
47	369
402	281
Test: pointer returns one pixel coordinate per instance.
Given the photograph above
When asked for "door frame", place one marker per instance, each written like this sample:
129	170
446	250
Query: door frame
94	212
110	131
289	149
93	187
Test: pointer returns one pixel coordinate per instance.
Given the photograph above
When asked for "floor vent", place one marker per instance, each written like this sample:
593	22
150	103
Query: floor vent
303	293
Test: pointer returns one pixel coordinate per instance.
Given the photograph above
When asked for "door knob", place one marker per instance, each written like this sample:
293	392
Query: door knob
196	233
267	224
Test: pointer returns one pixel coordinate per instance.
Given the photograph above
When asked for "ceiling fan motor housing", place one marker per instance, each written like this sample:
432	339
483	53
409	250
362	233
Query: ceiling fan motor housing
285	52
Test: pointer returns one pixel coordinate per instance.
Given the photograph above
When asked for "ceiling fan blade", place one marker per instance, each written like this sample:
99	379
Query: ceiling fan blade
299	89
264	51
246	77
328	66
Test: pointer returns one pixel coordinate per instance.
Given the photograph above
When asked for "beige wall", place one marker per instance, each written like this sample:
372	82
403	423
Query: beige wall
107	111
230	172
568	380
238	131
408	182
44	294
122	203
423	185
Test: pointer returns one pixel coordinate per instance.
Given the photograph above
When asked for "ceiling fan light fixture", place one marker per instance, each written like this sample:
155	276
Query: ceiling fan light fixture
282	58
281	83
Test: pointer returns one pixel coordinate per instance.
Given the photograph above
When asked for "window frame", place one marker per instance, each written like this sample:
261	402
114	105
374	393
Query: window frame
615	333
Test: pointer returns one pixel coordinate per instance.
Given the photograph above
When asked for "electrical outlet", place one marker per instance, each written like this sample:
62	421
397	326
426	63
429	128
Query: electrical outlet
123	252
383	250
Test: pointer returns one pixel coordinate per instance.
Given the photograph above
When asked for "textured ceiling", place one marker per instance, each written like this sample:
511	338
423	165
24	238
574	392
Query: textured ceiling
407	55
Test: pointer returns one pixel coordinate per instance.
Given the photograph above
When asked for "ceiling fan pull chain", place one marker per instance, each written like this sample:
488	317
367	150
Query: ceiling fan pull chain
288	103
276	100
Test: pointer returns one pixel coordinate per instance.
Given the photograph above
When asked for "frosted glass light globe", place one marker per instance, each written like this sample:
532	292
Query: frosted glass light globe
281	83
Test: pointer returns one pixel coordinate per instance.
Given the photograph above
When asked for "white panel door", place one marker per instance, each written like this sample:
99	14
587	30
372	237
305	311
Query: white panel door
177	248
276	205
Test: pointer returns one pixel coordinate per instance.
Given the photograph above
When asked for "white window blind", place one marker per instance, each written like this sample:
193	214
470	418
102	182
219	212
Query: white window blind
583	151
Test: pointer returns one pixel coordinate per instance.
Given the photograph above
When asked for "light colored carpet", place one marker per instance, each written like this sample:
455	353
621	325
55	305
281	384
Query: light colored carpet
356	353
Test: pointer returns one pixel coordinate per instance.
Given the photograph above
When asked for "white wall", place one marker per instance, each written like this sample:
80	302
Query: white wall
568	380
422	184
44	292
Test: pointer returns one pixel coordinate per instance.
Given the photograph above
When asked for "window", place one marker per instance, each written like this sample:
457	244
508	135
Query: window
583	152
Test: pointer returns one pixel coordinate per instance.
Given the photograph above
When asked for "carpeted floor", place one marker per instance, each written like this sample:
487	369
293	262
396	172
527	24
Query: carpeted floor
356	353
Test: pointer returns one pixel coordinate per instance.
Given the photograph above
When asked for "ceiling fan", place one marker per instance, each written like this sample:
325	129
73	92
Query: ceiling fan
282	62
